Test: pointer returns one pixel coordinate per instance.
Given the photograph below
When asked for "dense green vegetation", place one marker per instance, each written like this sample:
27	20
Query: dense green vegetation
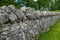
52	34
37	4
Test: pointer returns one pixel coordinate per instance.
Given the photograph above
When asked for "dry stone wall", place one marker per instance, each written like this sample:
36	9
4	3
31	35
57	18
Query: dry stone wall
24	23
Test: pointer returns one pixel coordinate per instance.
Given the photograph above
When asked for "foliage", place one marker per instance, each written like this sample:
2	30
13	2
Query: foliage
39	4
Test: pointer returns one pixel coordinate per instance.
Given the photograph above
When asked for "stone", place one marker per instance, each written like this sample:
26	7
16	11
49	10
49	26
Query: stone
6	9
16	26
20	15
24	8
3	17
12	17
30	16
10	13
12	7
44	13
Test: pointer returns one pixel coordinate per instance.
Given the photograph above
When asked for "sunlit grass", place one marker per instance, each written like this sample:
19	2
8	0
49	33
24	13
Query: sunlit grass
52	34
56	11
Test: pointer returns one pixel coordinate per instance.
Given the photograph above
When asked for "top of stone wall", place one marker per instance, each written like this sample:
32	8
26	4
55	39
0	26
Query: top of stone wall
10	13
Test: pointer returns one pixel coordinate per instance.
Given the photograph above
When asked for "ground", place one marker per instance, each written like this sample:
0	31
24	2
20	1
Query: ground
52	34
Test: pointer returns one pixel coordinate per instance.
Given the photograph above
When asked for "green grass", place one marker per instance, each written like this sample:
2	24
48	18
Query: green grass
52	34
56	11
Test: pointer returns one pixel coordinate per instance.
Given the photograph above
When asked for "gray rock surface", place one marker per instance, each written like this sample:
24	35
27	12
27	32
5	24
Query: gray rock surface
3	17
24	23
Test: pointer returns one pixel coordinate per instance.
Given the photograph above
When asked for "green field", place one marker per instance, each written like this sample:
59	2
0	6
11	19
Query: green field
52	34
